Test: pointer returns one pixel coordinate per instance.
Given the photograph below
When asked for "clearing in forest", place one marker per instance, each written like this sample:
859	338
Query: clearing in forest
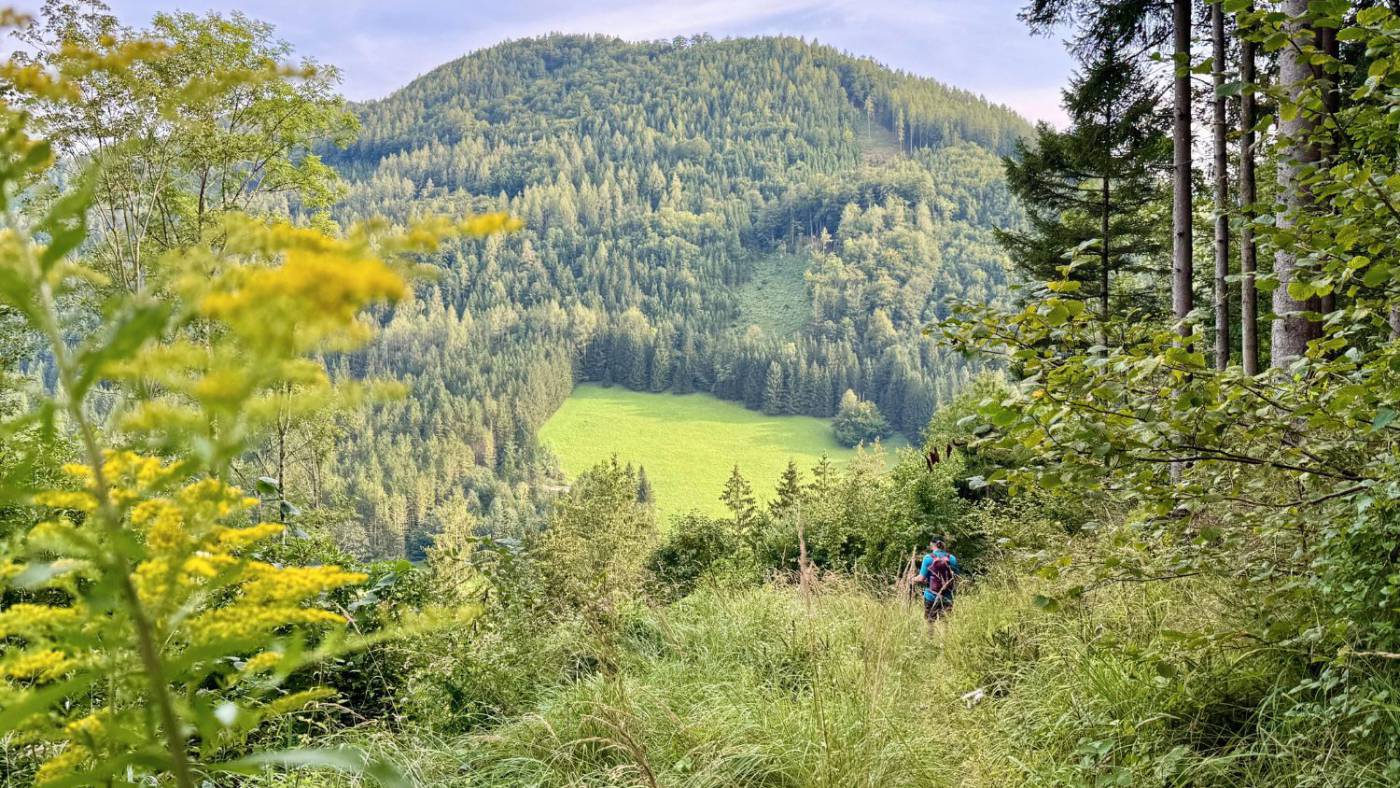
775	297
688	443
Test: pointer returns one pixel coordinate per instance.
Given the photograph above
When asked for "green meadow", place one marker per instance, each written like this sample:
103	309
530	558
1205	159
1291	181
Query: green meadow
687	443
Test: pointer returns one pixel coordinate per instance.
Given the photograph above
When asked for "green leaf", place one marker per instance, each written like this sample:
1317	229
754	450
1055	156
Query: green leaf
36	575
1384	416
1300	291
66	223
1227	89
1378	274
139	325
39	701
345	759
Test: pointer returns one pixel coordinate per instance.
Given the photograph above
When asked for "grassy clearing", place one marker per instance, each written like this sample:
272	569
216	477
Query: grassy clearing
775	297
878	144
688	443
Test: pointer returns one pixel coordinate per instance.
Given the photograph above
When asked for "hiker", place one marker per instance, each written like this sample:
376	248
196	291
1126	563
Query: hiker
938	571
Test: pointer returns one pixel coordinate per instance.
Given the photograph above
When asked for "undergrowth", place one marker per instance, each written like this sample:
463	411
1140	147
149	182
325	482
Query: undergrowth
846	685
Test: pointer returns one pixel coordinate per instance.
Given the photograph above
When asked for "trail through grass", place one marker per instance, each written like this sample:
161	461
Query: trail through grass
687	443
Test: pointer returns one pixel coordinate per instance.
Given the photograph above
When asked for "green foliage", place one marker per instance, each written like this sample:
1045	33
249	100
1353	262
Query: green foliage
694	546
215	125
599	535
1277	488
144	634
858	422
1094	192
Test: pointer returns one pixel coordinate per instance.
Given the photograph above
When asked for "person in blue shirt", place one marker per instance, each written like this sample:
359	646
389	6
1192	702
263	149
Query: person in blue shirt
942	567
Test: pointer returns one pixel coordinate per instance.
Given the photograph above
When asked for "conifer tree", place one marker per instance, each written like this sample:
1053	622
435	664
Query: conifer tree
789	491
1091	187
738	498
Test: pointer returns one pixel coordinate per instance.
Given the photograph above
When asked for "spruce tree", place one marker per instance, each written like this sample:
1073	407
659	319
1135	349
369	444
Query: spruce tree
789	491
1091	187
738	498
774	398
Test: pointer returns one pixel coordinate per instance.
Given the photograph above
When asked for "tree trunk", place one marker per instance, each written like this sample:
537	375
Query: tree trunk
1181	166
1222	191
1105	254
1332	100
1249	299
1291	331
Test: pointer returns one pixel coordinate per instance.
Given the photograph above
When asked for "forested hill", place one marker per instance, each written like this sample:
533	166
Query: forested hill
766	219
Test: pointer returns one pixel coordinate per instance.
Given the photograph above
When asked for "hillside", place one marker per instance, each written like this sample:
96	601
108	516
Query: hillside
673	194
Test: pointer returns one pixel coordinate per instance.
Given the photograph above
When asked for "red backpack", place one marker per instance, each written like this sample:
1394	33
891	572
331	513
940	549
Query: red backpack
940	575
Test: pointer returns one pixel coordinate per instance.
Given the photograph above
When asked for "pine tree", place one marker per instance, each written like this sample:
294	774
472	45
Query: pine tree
738	498
1249	298
1222	188
644	492
789	492
1092	186
774	397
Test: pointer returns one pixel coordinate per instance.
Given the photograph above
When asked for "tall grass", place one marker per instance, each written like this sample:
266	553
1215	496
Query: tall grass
847	686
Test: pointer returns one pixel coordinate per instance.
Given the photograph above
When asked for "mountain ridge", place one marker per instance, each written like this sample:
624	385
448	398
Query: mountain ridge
660	186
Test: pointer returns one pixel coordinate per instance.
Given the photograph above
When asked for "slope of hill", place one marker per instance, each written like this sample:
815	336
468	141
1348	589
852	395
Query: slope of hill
654	180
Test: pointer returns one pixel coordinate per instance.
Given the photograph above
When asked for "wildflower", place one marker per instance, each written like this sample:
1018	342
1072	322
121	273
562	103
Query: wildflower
27	619
240	538
61	499
88	727
268	583
243	622
63	764
41	665
266	660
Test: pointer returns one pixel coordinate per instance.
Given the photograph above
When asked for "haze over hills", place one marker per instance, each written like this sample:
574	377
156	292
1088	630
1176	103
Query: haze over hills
766	220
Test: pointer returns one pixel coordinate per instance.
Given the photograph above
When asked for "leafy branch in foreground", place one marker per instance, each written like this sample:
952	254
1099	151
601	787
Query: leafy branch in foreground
140	633
1285	482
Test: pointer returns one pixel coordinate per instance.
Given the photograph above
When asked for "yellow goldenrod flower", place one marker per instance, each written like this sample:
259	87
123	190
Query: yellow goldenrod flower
62	764
27	619
41	665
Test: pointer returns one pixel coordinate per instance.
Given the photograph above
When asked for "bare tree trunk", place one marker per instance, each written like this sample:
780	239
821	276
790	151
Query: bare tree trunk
1104	257
1181	166
1222	191
1249	298
1105	254
1291	331
1332	100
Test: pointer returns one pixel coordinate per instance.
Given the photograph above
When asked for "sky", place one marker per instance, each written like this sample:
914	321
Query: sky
978	45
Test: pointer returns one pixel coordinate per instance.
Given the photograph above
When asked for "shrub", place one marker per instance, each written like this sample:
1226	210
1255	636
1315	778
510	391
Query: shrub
858	421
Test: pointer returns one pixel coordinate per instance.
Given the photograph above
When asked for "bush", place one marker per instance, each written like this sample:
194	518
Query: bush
858	421
695	545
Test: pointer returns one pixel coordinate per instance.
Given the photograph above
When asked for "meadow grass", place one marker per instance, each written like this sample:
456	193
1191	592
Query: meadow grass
845	685
687	443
